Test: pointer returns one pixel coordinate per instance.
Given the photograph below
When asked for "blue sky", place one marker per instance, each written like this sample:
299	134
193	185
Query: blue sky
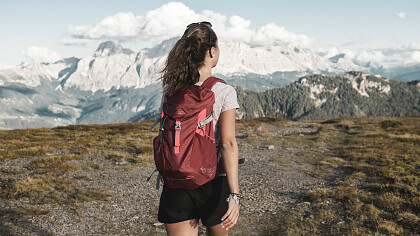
40	29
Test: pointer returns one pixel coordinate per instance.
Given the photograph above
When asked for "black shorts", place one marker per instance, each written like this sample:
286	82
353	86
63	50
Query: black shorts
207	202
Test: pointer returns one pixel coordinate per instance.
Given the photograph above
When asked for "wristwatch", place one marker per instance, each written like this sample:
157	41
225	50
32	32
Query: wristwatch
235	196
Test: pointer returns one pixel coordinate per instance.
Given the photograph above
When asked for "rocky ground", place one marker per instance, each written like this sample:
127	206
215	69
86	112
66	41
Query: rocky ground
273	179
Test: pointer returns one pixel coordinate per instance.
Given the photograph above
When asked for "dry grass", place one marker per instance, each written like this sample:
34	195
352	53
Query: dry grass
332	162
244	125
31	210
24	152
296	141
377	188
53	161
260	132
54	153
47	188
12	170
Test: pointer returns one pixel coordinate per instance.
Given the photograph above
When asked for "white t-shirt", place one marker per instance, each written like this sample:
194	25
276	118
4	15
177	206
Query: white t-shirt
225	99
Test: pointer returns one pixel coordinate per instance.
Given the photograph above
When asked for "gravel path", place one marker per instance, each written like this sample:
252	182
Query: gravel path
272	180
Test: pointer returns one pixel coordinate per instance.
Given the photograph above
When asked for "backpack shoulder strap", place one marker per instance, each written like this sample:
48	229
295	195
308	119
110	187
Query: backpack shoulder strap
211	81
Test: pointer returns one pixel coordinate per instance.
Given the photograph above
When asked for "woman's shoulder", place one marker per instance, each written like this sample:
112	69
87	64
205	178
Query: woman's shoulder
226	97
223	87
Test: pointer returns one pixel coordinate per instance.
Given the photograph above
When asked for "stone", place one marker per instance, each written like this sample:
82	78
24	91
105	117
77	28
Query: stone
270	147
157	224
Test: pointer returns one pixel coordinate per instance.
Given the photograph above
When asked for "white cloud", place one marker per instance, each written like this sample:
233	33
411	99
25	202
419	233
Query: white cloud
401	15
333	51
364	57
167	21
412	46
416	56
6	66
388	57
272	32
76	41
122	25
171	19
37	54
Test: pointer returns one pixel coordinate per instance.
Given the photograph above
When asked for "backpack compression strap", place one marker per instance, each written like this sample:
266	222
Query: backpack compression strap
177	135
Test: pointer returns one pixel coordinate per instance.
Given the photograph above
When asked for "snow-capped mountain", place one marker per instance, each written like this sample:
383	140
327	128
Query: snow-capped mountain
241	58
111	65
31	74
115	84
114	66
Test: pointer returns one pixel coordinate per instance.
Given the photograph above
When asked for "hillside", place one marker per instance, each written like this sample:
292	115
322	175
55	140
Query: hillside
333	96
353	175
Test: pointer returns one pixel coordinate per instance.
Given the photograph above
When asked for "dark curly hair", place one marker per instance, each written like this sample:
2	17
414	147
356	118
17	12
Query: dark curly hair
180	71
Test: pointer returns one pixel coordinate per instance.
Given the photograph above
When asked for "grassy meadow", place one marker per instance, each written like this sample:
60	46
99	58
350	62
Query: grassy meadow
49	154
373	164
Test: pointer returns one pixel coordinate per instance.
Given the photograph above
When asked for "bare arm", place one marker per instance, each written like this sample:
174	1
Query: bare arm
229	150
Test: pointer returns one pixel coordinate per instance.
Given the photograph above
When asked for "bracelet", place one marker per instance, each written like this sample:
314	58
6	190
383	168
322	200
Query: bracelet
235	196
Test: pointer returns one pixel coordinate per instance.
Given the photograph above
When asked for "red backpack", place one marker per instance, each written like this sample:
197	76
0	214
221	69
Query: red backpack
185	149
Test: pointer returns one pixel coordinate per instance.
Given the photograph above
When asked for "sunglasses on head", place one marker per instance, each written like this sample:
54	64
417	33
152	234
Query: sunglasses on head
206	23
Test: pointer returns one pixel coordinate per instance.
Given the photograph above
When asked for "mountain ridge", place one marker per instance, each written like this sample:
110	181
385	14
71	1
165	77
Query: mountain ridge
108	48
310	97
113	65
117	85
332	96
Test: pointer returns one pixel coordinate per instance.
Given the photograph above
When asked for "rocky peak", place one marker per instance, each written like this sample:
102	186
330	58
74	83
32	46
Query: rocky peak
109	48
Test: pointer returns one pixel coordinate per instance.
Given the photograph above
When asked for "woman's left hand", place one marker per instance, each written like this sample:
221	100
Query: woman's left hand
231	216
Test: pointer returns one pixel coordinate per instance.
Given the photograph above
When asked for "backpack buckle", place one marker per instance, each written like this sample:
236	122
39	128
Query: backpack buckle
206	120
178	126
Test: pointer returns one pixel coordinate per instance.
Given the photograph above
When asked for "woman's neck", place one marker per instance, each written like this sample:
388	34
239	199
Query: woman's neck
205	72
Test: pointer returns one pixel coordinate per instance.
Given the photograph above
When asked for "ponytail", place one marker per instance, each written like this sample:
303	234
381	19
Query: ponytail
180	71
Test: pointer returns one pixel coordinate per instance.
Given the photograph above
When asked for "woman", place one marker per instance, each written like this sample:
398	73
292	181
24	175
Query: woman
216	203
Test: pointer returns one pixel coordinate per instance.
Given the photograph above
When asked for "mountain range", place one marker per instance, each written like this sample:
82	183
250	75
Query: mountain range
115	84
